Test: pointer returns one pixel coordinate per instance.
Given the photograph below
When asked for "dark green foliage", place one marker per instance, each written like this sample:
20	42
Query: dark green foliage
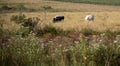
5	7
30	51
112	33
19	52
107	55
27	24
50	29
31	22
89	31
1	28
24	31
104	2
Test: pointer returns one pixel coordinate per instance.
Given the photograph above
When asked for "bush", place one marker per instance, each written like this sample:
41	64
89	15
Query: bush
89	31
20	51
30	51
50	29
23	31
18	18
5	7
21	7
47	7
112	33
1	28
107	55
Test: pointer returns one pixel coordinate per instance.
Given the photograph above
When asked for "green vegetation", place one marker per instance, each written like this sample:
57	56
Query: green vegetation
25	47
89	31
16	8
18	18
104	2
52	30
30	51
6	8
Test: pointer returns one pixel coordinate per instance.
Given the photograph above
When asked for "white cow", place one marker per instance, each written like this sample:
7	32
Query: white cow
89	18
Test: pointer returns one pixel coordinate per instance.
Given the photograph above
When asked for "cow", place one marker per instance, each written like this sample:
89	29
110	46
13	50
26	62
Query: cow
89	18
58	18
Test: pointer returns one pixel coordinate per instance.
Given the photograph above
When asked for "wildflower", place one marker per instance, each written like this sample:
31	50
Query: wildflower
100	40
103	34
65	50
76	42
85	57
115	41
60	45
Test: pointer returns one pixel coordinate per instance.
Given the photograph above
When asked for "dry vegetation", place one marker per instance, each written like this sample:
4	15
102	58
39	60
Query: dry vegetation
51	46
64	6
75	20
106	17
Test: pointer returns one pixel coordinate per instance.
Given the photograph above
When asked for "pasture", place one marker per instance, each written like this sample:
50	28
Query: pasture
103	2
106	16
25	41
76	20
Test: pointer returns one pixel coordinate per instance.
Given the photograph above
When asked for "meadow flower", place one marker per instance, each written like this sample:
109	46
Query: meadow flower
60	45
115	41
100	40
103	34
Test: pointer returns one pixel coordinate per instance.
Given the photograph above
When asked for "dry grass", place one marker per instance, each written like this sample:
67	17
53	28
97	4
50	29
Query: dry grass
74	7
106	17
75	20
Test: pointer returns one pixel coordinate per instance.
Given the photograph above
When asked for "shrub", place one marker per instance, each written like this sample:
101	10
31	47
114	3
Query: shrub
112	33
20	51
50	29
30	51
89	31
21	7
47	7
5	7
107	55
1	28
18	18
24	31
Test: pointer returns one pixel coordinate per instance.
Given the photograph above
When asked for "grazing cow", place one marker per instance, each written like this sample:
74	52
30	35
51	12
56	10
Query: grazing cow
58	18
89	18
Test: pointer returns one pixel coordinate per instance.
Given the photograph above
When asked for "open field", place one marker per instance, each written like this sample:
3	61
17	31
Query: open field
28	41
106	17
75	20
103	2
20	1
64	7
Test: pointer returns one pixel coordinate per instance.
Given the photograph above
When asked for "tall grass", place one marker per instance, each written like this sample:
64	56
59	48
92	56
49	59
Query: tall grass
30	51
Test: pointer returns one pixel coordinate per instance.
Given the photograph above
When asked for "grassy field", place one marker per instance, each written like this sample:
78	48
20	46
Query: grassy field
103	2
106	17
75	20
72	42
58	7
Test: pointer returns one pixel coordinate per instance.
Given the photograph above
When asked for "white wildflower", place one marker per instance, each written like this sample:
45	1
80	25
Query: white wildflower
115	41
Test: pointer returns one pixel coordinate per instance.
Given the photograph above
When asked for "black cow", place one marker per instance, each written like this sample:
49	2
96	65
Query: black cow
58	18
